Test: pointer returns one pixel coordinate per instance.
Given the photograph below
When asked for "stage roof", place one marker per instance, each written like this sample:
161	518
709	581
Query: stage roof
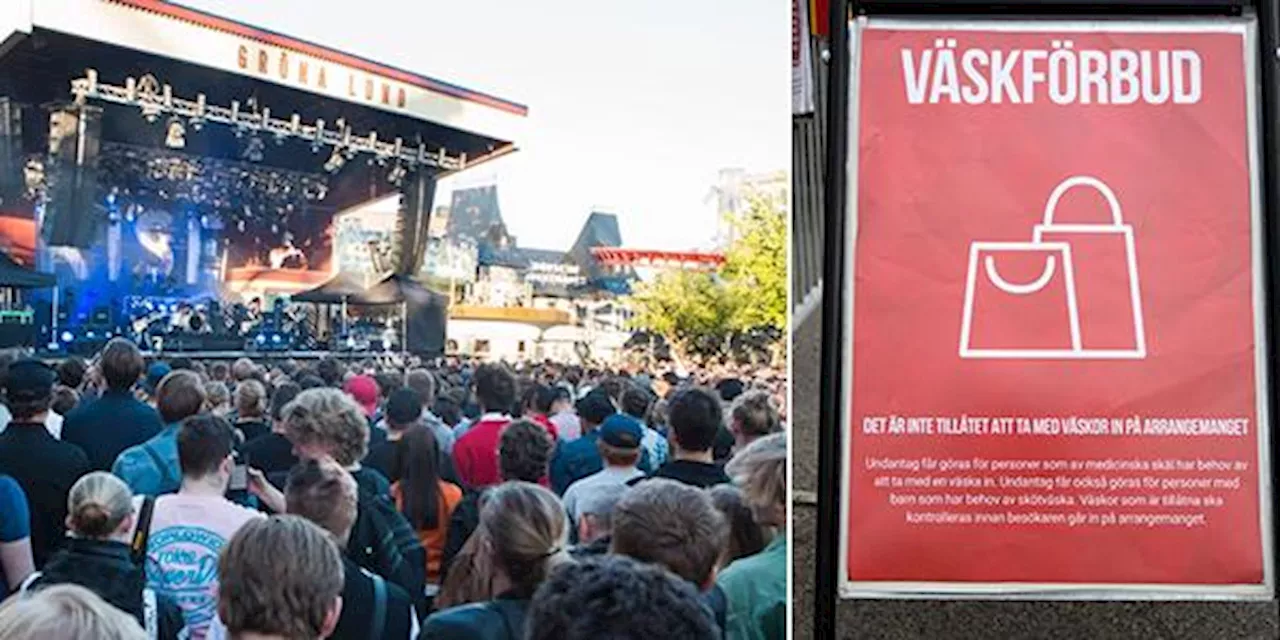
44	44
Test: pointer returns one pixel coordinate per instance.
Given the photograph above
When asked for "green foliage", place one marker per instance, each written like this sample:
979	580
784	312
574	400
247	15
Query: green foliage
701	313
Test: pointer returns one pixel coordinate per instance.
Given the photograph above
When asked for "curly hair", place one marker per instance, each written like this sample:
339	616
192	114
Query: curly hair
616	597
524	451
330	419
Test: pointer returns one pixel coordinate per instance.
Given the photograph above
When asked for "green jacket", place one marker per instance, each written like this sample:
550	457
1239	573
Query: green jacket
756	587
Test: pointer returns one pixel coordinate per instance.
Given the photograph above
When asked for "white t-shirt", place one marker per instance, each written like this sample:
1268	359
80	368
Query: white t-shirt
52	422
187	534
598	492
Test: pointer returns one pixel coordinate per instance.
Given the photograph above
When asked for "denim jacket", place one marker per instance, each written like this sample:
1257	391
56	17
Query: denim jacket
151	468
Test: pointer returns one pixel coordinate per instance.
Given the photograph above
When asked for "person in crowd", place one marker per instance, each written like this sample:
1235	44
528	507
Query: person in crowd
523	455
636	402
64	401
153	468
272	453
280	577
560	413
181	363
756	586
746	536
364	390
752	417
423	496
105	427
219	398
250	410
324	493
52	420
331	372
66	612
311	382
474	452
524	526
676	526
243	369
43	466
72	372
403	411
449	413
535	406
220	372
16	562
619	446
326	423
188	529
150	386
424	384
695	417
729	390
580	458
616	597
98	556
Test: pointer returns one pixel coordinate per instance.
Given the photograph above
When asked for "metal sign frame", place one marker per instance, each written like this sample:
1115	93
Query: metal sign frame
1262	34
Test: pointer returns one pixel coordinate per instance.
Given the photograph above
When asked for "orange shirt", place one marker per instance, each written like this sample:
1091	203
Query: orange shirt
433	539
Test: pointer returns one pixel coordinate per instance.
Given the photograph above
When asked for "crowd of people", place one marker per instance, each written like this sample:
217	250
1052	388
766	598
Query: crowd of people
436	500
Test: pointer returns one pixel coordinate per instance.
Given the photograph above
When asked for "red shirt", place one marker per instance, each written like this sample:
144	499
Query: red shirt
475	454
545	422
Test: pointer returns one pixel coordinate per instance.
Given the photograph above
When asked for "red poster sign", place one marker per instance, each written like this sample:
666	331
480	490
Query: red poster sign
1056	334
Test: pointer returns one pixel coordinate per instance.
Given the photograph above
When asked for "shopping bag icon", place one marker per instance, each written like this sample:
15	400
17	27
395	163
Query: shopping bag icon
1077	296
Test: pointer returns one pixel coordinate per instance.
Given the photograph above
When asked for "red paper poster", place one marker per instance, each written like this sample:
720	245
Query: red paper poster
1057	346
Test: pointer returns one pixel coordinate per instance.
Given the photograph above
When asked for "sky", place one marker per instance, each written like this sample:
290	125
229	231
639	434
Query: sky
634	106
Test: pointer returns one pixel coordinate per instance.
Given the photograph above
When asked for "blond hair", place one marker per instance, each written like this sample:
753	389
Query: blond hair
65	612
761	471
97	503
331	419
527	529
251	399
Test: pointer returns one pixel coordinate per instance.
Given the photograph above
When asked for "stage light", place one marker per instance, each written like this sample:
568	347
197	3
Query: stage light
275	338
396	175
253	149
67	336
261	339
335	161
177	135
90	335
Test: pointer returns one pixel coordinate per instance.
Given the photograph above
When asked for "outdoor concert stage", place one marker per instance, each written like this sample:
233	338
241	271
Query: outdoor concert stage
165	164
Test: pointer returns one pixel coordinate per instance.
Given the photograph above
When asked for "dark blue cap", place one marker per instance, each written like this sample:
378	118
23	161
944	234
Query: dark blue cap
621	431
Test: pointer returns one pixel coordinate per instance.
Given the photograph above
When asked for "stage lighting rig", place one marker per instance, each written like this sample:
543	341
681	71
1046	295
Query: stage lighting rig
155	99
335	161
176	138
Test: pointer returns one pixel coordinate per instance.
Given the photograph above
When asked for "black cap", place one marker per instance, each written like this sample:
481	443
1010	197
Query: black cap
403	407
30	379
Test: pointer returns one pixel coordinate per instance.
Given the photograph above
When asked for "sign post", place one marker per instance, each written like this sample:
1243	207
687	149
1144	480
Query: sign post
1053	334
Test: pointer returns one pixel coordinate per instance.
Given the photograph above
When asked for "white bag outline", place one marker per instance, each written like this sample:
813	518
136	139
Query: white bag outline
1077	350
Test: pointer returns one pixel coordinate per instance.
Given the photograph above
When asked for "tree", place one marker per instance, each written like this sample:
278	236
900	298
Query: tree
703	313
755	266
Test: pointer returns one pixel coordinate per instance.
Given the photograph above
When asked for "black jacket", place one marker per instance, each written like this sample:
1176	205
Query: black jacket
358	603
105	427
499	619
105	568
382	540
463	522
46	469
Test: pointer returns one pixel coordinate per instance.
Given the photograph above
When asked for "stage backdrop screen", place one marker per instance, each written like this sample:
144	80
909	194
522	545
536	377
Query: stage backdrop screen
1056	379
